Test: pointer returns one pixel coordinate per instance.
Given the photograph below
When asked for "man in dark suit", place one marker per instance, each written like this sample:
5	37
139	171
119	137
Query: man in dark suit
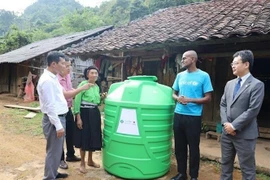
239	107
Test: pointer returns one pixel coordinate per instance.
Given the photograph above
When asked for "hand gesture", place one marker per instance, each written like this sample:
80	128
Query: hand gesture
87	86
60	132
182	100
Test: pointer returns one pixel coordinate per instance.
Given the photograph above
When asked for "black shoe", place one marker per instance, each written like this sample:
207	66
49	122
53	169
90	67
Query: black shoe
73	159
179	177
193	178
61	175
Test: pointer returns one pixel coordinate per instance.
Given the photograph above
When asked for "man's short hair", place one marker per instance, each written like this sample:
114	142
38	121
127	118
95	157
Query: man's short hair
54	56
246	56
67	58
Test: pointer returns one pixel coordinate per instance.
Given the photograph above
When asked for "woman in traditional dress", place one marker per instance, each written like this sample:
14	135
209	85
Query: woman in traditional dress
88	131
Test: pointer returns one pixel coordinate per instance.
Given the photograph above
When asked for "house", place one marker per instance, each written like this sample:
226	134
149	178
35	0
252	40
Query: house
215	29
15	65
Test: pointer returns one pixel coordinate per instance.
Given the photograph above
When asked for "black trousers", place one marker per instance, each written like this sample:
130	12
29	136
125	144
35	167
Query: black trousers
70	128
187	131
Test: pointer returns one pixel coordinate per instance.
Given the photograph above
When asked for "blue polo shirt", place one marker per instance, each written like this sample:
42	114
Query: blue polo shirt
191	85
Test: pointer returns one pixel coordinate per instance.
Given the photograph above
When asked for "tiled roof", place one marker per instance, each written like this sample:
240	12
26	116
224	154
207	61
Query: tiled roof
208	20
38	48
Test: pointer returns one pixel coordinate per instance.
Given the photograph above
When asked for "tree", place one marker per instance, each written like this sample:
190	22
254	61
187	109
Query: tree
138	9
14	39
50	18
120	12
39	34
50	11
155	5
81	20
7	18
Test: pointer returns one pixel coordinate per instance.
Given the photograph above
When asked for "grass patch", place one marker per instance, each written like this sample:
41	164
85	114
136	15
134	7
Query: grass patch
16	123
34	104
263	177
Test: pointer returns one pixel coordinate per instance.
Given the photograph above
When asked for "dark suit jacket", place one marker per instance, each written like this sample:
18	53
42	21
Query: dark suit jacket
242	111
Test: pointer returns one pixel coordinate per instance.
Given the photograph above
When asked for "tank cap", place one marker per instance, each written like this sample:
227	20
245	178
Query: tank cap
143	78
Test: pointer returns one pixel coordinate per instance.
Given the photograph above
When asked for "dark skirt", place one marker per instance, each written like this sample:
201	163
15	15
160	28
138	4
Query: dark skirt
89	138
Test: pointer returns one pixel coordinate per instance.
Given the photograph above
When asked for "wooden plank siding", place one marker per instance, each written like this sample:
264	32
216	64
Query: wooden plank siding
215	59
4	78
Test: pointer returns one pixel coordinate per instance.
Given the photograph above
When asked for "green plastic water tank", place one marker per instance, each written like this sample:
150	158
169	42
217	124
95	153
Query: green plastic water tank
137	130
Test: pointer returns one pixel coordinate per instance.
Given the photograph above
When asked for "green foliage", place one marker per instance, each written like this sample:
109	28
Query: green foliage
49	11
81	20
34	104
49	18
115	12
155	5
7	18
39	35
120	12
105	10
263	177
14	39
138	9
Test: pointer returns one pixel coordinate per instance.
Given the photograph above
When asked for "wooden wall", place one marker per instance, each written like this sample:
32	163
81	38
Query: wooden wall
216	59
209	65
78	66
4	78
13	74
223	73
216	56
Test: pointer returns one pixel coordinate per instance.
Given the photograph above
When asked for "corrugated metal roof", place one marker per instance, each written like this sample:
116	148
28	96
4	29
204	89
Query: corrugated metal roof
38	48
208	20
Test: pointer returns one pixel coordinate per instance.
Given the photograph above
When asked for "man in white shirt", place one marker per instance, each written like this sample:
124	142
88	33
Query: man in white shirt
54	106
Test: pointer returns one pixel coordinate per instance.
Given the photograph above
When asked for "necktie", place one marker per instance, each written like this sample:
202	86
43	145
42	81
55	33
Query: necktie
237	87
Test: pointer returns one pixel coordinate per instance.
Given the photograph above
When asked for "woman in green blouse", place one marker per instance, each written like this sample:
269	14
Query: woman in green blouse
88	131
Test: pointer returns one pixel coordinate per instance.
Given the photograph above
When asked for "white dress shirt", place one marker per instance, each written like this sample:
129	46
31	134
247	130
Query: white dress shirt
51	98
244	78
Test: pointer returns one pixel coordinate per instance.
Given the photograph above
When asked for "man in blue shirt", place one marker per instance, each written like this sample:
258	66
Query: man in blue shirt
192	88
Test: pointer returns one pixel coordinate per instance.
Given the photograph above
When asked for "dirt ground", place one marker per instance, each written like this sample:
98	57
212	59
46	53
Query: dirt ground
22	154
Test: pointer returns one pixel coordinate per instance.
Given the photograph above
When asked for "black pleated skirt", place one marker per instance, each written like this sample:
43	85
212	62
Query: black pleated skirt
89	138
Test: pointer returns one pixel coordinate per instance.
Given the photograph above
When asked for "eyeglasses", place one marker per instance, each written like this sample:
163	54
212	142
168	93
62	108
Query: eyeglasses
235	63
